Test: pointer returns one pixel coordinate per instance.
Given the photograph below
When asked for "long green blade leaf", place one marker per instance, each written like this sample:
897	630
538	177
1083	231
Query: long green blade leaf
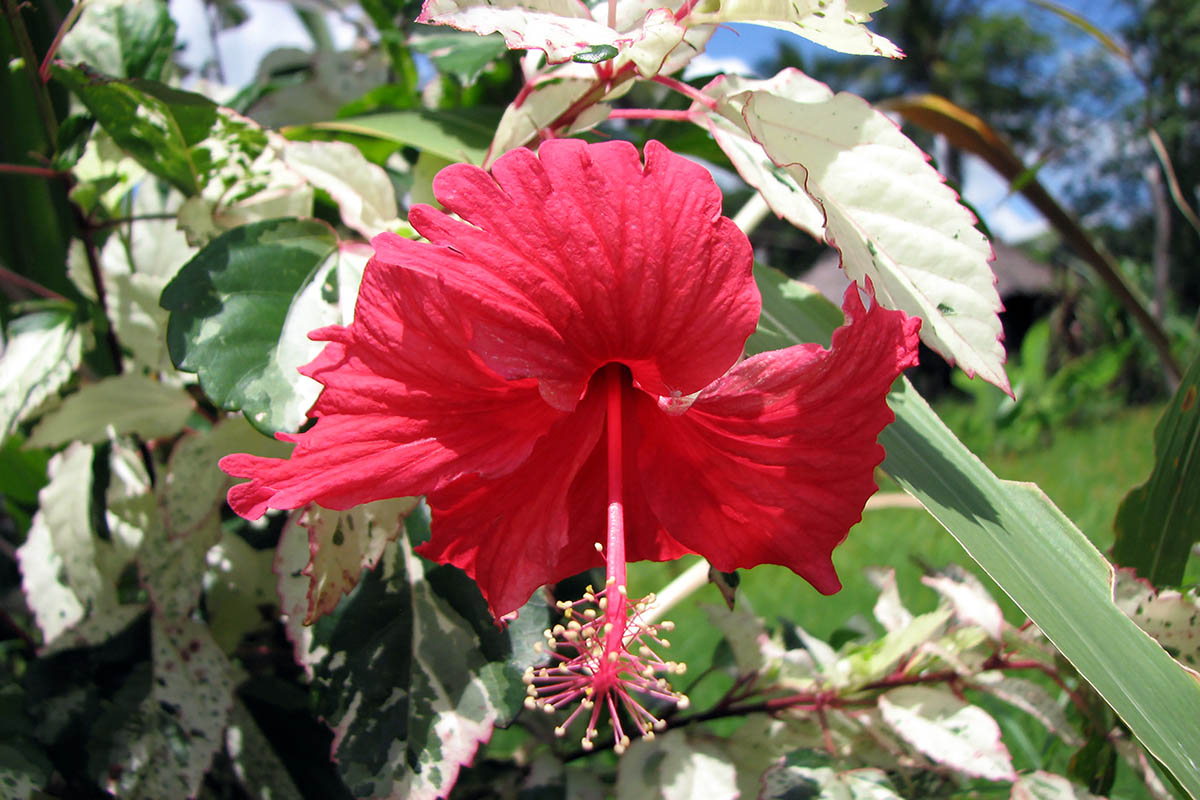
462	135
1160	520
1032	551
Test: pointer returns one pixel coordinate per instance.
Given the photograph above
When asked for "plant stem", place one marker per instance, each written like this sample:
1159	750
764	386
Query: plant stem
686	91
86	232
40	172
650	113
9	277
114	222
48	59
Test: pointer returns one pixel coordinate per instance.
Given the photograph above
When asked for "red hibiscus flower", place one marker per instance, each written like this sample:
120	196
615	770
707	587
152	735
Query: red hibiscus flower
557	372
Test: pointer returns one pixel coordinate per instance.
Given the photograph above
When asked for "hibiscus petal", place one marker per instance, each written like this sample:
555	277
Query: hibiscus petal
515	533
406	408
774	463
540	523
581	255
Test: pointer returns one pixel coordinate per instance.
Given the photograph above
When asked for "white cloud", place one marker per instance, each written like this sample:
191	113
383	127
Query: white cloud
705	64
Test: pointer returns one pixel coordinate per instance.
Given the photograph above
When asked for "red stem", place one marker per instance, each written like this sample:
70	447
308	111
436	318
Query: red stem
650	113
72	15
686	91
41	172
685	9
15	279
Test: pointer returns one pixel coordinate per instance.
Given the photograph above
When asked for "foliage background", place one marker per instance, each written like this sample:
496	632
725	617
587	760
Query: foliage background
153	643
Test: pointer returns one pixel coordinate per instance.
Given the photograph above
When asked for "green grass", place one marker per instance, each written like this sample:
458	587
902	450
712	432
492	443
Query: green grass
1085	471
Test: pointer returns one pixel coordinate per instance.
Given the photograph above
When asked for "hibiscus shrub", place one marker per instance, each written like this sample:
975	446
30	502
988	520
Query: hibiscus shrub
329	438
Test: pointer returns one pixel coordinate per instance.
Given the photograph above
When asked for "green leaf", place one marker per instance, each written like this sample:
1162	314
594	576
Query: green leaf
408	692
457	135
42	352
155	124
1159	521
122	404
1050	569
122	38
459	53
595	54
878	659
240	314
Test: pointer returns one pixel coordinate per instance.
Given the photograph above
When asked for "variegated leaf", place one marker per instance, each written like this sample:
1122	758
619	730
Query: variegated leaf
124	404
168	746
41	353
406	688
1171	617
947	730
785	781
68	573
344	543
677	765
836	24
887	211
1033	700
362	190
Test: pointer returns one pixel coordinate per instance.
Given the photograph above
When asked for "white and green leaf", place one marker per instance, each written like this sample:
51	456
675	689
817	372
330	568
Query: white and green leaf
887	211
343	544
362	190
254	759
785	781
169	745
123	404
244	329
837	24
1170	616
41	353
1033	700
972	603
1048	786
677	765
406	688
62	560
948	731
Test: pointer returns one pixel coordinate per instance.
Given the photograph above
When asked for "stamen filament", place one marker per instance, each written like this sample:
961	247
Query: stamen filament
606	651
